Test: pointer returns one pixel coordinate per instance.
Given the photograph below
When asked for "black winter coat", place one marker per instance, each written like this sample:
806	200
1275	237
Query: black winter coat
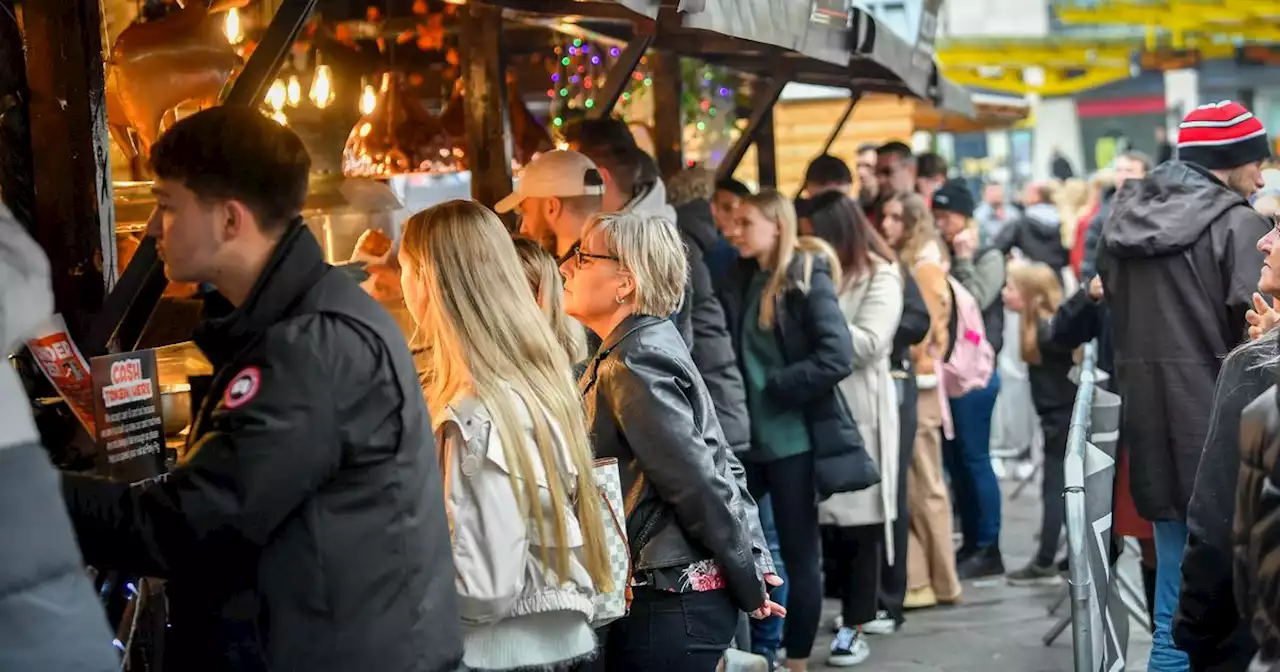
1080	320
815	341
914	325
712	349
1038	233
1255	534
648	408
1179	265
1207	624
305	528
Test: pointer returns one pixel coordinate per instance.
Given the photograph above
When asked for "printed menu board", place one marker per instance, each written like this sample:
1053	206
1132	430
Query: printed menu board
127	414
64	366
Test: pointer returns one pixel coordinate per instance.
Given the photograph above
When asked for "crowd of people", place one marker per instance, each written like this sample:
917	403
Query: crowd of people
795	398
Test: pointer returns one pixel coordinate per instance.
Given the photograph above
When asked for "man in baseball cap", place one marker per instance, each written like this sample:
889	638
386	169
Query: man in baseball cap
1179	263
557	193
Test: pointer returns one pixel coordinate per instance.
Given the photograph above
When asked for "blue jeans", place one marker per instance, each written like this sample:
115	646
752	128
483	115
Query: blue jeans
1171	540
766	635
968	461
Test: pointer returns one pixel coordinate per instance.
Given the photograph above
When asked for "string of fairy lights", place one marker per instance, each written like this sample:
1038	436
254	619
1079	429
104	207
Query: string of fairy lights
710	96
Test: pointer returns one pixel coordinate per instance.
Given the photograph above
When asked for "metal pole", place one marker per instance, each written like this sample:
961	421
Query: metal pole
768	95
1077	522
619	77
854	97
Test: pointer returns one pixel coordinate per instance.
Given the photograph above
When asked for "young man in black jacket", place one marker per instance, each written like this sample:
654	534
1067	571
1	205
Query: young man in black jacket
304	527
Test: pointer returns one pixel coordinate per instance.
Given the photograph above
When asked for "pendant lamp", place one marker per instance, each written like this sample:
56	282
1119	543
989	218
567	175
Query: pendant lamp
399	136
530	138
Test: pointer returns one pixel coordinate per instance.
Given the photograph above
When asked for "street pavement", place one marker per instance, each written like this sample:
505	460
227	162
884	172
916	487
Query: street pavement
996	627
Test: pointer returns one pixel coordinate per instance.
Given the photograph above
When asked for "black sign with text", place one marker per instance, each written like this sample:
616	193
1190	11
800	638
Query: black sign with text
127	410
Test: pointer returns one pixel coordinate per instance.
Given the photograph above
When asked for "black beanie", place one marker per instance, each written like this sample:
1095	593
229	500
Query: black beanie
954	196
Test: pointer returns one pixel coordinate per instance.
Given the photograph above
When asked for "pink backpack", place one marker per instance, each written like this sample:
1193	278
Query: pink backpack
972	359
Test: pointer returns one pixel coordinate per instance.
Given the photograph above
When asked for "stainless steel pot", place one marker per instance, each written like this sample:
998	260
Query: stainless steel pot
175	407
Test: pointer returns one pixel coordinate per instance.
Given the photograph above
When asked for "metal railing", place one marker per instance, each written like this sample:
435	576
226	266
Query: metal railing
1080	577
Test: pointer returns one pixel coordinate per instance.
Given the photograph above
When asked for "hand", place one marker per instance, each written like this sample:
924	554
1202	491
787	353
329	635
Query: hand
770	607
1262	317
1095	289
964	244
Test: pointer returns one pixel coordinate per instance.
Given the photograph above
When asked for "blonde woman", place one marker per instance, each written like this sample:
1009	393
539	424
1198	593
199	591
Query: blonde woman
528	533
794	347
694	568
968	455
548	288
908	227
859	525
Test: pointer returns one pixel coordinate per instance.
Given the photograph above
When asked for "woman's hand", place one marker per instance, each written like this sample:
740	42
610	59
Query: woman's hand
964	244
770	607
1262	318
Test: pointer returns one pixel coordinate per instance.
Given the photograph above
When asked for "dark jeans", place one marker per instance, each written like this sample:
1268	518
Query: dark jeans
1055	425
968	462
766	635
893	577
669	632
856	559
789	484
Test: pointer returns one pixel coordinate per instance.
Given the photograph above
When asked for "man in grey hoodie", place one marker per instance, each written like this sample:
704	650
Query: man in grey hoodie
52	621
1038	232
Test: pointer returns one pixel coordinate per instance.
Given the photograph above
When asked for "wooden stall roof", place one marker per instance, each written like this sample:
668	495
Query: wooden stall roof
760	37
990	112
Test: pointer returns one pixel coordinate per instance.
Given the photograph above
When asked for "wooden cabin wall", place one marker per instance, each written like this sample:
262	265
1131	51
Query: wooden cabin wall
801	126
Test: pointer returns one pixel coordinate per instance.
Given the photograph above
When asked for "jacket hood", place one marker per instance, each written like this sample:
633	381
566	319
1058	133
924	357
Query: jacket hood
652	202
696	221
1166	211
1044	219
26	301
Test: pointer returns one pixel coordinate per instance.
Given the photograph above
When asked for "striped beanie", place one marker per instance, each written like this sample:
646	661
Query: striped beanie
1222	136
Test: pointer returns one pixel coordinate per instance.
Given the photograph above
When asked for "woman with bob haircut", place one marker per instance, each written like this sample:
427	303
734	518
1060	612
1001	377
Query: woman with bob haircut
693	565
528	527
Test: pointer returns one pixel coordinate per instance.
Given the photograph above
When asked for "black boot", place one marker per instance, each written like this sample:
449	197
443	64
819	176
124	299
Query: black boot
1149	589
982	562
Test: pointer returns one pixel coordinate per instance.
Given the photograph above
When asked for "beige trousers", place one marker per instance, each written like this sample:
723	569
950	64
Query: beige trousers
931	558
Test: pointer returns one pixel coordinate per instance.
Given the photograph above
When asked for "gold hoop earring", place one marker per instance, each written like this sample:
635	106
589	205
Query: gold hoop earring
620	299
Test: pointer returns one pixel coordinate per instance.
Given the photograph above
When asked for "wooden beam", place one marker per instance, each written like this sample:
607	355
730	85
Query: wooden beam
74	214
668	124
252	83
606	96
16	179
834	135
767	94
488	127
766	153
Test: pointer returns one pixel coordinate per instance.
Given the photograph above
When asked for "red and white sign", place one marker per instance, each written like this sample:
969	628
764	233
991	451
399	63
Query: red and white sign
66	368
127	384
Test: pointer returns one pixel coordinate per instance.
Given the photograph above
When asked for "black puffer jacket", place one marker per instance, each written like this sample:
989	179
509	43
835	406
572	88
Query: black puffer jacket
713	351
815	342
305	529
648	407
1256	533
1180	264
1038	233
1207	624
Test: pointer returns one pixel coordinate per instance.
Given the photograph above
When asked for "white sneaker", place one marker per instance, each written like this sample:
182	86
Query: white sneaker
744	661
883	625
848	649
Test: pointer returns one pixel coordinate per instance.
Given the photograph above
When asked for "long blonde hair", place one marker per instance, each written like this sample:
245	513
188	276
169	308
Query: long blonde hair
548	287
1041	296
918	230
490	339
1071	200
781	211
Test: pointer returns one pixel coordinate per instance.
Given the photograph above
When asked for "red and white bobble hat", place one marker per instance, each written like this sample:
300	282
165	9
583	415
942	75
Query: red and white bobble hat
1222	136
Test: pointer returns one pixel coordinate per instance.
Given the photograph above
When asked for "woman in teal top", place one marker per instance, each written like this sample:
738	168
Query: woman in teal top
794	348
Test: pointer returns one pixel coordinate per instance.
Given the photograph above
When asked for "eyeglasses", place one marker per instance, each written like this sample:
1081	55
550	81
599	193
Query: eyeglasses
885	171
580	258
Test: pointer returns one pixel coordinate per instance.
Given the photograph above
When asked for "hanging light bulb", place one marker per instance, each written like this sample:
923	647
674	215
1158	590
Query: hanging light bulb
277	95
279	118
294	91
368	100
322	87
235	35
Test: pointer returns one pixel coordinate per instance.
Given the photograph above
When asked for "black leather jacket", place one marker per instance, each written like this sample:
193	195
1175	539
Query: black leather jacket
1255	541
648	407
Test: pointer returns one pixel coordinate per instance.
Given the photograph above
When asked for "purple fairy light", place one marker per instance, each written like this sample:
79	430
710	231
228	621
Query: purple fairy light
573	51
614	52
574	79
724	91
595	60
555	76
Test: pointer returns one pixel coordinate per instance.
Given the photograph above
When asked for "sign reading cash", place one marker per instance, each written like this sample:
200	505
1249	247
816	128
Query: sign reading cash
127	413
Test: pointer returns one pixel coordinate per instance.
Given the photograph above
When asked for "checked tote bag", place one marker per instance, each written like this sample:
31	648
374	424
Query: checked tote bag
613	605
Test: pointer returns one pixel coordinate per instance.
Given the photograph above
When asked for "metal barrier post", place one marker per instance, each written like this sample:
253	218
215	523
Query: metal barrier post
1077	519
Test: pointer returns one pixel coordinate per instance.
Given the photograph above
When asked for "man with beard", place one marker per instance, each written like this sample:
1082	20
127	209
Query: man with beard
557	193
1179	266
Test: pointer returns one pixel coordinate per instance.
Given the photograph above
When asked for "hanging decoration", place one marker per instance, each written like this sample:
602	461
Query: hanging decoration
710	98
399	136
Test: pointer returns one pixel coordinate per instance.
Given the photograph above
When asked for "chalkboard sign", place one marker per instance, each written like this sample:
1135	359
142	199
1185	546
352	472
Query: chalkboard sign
127	413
